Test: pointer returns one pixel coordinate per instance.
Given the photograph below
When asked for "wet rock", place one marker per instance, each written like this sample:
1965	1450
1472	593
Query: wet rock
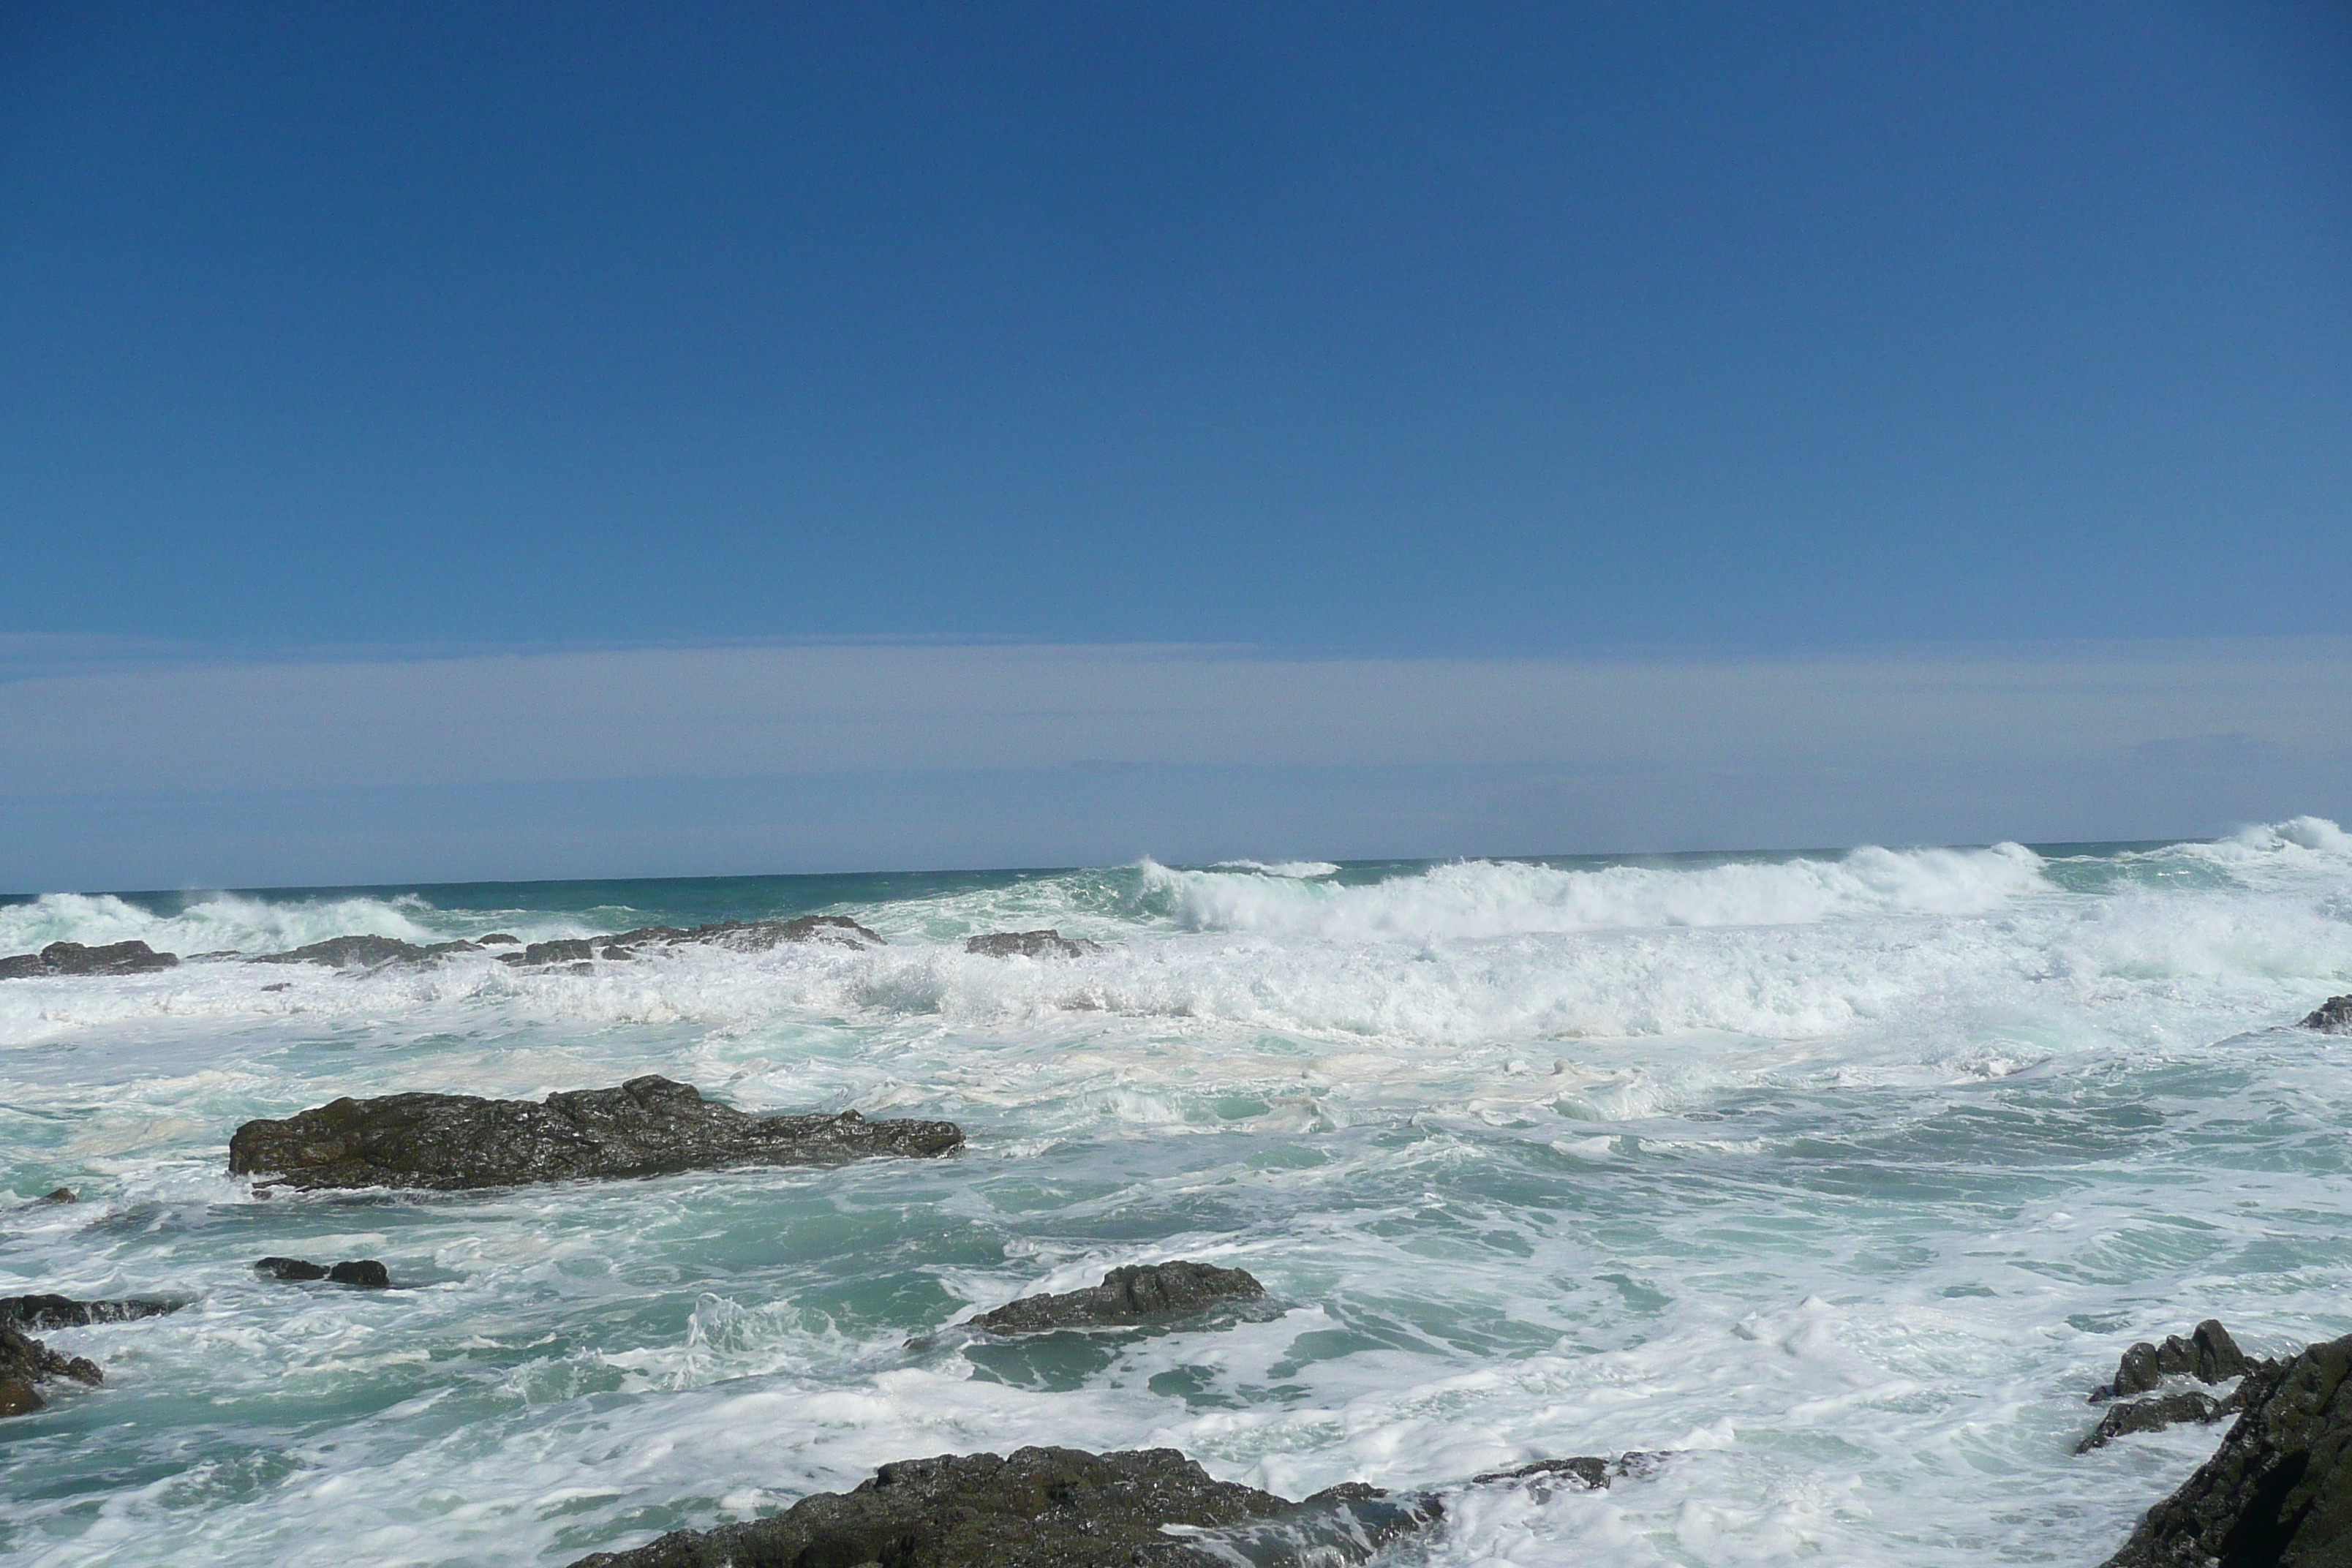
365	953
2156	1412
1136	1294
2279	1491
1044	1507
217	952
498	938
279	985
58	1195
617	954
560	952
647	1126
73	958
2333	1016
1030	944
25	1361
2208	1355
1585	1471
65	1312
361	1273
290	1268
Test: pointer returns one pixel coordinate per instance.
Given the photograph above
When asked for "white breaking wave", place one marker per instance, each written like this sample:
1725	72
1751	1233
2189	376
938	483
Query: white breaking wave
1299	869
1490	897
213	924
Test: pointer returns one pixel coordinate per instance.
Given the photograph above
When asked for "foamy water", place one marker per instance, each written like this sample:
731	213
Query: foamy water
1842	1177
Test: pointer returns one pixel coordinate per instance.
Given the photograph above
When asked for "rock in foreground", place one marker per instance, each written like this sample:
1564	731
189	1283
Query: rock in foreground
1030	944
1041	1508
65	1312
2279	1491
2208	1355
1136	1294
2333	1016
73	958
648	1126
24	1361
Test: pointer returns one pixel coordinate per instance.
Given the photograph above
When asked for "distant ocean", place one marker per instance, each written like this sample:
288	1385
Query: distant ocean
1841	1176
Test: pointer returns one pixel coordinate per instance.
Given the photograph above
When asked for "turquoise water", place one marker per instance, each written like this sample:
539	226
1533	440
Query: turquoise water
1844	1176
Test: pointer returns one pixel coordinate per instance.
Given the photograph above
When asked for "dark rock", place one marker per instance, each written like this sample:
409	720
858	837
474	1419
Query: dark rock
344	952
217	952
561	951
279	985
1030	944
2208	1355
648	1126
73	958
1134	1294
754	936
65	1312
498	938
290	1268
617	954
2279	1491
2333	1016
364	1273
1585	1471
1042	1507
25	1361
2157	1413
58	1195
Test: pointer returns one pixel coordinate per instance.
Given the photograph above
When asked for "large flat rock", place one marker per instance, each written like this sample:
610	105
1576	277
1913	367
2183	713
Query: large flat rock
1139	1293
648	1126
1042	1507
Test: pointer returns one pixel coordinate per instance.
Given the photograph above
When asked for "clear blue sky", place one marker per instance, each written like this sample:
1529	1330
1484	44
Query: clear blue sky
1562	331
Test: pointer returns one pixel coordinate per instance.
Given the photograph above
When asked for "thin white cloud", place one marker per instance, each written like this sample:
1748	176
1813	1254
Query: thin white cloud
719	713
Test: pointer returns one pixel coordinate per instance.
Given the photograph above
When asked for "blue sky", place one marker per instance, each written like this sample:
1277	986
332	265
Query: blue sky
344	338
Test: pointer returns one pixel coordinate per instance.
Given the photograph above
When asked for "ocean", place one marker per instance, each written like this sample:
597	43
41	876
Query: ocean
1840	1178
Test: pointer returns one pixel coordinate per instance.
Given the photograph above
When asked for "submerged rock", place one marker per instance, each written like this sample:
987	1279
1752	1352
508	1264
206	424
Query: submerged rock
498	938
1043	1508
2208	1355
58	1195
754	936
1030	944
25	1361
1136	1294
2279	1491
364	1273
65	1312
2333	1016
73	958
648	1126
1585	1471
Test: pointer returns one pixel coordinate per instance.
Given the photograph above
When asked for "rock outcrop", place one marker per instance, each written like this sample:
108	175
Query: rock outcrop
364	952
1030	944
648	1126
2156	1412
73	958
25	1361
2279	1491
364	1273
1586	1472
1140	1293
1043	1508
2208	1355
2333	1016
65	1312
751	936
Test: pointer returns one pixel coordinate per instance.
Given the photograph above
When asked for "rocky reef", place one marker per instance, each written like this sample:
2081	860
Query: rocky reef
25	1361
648	1126
1139	1293
1044	1508
2333	1016
1030	944
65	1312
2278	1494
2208	1354
73	958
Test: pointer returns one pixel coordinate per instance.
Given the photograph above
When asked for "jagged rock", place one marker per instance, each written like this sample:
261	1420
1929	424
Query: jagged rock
2333	1016
563	950
73	958
2208	1355
1134	1294
2157	1413
2279	1491
1588	1473
1042	1507
1030	944
25	1361
365	951
65	1312
648	1126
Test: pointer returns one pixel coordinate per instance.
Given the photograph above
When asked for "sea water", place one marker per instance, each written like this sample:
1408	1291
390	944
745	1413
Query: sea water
1839	1178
